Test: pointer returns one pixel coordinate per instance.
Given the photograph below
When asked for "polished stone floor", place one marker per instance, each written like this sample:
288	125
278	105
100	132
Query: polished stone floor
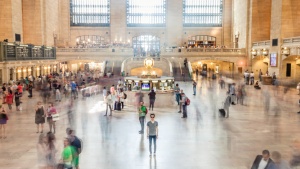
202	141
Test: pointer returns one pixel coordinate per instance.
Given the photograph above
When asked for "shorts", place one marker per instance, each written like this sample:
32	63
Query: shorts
76	161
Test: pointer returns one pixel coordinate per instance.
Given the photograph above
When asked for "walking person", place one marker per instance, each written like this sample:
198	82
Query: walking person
251	78
30	87
194	87
42	151
121	97
51	110
4	93
9	99
232	93
142	114
57	92
75	142
18	95
3	121
152	133
177	92
67	155
51	151
39	117
109	101
184	105
152	99
260	75
227	105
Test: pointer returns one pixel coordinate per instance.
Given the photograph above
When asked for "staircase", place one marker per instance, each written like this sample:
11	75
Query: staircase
113	67
178	70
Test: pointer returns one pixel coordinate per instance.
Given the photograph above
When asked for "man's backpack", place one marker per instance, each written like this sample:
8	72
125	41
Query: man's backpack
188	101
125	96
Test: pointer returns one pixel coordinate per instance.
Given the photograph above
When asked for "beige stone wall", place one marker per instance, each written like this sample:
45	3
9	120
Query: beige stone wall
51	18
10	19
227	24
290	23
261	20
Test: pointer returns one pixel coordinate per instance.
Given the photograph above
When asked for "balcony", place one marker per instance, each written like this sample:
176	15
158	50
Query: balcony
111	53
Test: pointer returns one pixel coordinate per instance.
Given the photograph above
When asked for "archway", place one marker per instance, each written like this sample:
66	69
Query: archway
144	44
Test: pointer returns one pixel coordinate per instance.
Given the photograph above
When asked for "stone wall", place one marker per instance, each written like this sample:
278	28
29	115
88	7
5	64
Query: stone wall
290	22
240	21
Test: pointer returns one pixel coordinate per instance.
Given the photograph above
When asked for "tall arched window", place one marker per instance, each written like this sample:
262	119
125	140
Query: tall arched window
202	13
146	13
89	12
146	44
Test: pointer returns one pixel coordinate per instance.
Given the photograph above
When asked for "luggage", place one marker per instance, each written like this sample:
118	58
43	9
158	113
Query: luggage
117	106
222	112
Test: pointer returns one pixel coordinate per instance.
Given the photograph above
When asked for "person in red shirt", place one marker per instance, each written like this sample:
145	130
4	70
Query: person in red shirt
9	99
20	88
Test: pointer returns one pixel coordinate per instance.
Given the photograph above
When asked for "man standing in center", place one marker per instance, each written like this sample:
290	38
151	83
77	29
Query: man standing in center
152	133
142	115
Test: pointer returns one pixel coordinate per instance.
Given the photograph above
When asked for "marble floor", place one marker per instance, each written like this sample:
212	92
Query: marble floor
202	141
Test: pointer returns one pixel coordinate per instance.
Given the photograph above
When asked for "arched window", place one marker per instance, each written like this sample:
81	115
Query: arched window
146	44
90	12
90	41
202	13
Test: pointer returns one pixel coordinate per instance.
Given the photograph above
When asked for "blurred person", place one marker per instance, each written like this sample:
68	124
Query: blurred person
30	87
3	121
194	87
177	92
152	133
76	143
256	86
57	92
51	151
241	93
74	93
273	78
108	100
184	105
112	89
232	93
4	93
121	98
152	98
42	151
263	161
295	160
260	75
279	163
50	111
142	115
67	154
251	78
9	99
14	87
104	92
18	95
298	88
39	117
226	105
180	103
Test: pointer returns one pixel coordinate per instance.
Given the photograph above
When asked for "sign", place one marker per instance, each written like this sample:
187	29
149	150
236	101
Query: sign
273	59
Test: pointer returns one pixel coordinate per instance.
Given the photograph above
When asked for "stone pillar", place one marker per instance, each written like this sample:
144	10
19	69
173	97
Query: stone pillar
174	23
276	14
118	20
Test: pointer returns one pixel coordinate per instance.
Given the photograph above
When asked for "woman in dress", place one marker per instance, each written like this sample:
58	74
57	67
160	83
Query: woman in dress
39	117
3	121
42	151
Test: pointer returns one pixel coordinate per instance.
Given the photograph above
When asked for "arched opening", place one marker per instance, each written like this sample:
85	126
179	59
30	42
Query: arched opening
146	44
201	41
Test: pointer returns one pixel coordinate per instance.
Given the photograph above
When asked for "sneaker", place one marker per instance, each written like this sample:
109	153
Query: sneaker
154	154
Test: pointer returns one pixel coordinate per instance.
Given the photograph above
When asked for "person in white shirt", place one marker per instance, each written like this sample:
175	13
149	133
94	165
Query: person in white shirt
108	100
263	161
121	97
251	78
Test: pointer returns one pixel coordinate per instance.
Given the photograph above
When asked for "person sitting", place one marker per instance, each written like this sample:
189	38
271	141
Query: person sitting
256	86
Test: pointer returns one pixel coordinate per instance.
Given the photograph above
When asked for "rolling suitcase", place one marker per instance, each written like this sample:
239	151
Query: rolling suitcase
118	106
222	112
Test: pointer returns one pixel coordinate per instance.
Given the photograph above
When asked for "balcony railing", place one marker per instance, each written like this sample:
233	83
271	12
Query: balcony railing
204	50
261	43
13	52
94	50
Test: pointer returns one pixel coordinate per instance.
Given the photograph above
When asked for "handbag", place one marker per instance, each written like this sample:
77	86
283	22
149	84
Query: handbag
55	117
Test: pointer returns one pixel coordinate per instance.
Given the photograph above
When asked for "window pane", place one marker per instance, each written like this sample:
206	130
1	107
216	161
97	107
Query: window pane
146	13
202	13
89	13
146	44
